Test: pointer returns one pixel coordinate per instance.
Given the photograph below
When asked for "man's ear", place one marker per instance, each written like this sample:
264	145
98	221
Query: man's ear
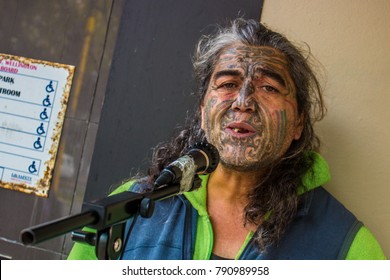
299	127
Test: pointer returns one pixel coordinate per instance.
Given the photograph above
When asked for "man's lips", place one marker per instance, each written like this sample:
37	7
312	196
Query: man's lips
240	129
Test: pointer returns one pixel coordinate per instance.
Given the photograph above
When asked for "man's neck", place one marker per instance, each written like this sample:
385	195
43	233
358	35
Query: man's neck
231	185
227	196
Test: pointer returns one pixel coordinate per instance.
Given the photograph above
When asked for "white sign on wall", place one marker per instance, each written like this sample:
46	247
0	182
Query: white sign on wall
33	99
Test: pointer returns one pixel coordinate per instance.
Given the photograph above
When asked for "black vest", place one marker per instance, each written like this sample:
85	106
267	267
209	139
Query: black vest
323	229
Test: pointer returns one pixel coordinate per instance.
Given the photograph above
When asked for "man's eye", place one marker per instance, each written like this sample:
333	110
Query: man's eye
270	89
227	87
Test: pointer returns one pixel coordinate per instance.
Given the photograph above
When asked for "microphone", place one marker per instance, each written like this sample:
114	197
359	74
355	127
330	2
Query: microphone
202	158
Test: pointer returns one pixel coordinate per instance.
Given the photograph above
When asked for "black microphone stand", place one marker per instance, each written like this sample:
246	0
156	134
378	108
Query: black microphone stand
107	216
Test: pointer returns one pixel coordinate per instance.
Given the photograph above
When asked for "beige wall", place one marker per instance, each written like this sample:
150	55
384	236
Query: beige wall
351	38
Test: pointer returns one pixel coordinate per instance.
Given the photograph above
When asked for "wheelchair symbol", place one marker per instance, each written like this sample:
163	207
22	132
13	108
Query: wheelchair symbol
46	102
43	114
40	129
32	168
49	87
37	144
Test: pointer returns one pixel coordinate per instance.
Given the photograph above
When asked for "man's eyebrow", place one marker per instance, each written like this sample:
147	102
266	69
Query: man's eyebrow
227	73
272	74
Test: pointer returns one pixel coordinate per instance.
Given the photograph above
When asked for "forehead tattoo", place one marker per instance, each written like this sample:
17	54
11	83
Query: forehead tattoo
255	61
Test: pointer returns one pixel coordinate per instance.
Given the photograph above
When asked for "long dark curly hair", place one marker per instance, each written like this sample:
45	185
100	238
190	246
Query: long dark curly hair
275	197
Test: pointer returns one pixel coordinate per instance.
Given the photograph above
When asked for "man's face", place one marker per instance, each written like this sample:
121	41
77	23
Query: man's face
250	110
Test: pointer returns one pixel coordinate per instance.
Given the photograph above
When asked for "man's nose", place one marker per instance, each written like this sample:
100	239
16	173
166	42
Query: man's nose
245	101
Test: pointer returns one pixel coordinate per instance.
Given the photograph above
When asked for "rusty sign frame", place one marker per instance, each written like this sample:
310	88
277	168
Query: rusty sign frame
23	84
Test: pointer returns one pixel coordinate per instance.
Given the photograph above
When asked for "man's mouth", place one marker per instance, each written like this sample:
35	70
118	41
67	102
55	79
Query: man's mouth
240	129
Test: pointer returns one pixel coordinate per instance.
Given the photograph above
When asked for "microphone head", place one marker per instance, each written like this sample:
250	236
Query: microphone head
211	156
202	158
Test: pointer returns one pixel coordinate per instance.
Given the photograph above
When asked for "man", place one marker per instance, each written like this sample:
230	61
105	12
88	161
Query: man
259	99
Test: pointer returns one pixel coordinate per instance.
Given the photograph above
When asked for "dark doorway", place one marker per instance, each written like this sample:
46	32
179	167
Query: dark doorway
149	89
